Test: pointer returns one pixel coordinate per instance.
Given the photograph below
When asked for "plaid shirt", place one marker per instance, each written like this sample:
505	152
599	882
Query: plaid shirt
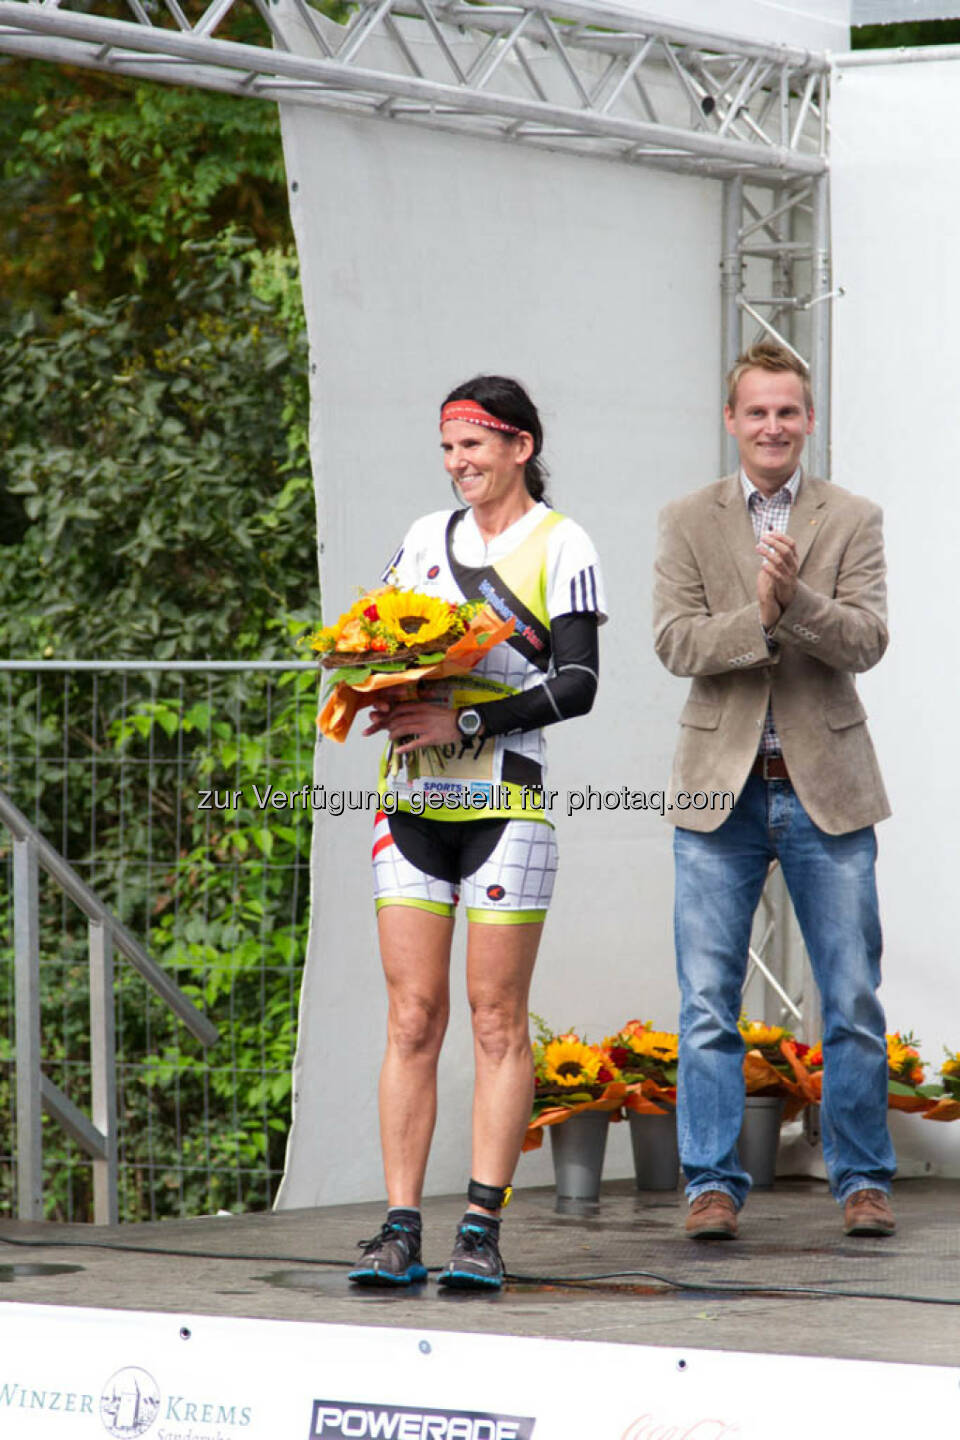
770	514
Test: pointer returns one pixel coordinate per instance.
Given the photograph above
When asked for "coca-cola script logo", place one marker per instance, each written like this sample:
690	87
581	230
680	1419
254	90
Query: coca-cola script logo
652	1427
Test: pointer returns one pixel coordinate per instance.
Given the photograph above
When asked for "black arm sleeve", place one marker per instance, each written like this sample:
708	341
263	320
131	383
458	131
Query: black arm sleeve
568	692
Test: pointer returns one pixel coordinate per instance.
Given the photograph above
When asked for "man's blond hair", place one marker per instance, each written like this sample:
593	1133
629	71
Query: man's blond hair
765	355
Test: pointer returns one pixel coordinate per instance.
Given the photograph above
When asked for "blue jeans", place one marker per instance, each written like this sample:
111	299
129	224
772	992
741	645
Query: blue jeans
830	878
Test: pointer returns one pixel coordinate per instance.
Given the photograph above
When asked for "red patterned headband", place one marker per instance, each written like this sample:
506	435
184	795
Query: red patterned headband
475	414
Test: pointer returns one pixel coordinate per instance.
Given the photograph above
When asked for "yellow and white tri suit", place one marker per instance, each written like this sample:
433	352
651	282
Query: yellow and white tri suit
541	568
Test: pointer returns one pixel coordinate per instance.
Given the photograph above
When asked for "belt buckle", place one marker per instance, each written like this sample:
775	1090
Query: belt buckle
764	761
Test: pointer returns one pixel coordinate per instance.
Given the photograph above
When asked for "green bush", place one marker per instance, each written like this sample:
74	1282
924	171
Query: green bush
157	503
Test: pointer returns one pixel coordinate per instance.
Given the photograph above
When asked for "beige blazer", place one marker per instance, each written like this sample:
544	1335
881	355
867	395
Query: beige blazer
707	625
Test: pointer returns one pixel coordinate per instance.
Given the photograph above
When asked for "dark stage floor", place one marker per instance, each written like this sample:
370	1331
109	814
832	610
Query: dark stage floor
292	1265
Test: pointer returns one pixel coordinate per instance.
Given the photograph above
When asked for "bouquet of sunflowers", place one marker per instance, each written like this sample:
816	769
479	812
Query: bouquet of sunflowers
391	638
950	1074
907	1085
647	1060
571	1076
775	1063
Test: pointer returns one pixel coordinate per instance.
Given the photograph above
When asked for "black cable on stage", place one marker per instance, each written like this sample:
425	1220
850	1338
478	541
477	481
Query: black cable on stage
122	1249
574	1282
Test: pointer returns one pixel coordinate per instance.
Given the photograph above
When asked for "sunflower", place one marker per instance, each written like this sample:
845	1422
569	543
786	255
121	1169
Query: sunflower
570	1063
950	1073
656	1044
757	1036
416	619
903	1060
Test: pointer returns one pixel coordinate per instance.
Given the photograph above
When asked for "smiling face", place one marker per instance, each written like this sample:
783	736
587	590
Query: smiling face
487	465
770	422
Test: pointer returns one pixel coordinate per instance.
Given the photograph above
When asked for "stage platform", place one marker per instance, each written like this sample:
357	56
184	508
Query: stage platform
292	1266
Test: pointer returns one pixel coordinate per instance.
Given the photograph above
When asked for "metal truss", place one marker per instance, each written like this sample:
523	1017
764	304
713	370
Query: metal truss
776	285
568	76
776	278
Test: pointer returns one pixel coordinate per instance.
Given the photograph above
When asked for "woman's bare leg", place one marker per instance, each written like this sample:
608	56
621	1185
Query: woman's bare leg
415	949
500	960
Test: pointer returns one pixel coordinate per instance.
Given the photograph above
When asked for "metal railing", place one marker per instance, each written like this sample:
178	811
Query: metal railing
141	789
35	1092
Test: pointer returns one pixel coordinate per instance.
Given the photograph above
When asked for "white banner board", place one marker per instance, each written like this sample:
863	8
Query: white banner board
71	1374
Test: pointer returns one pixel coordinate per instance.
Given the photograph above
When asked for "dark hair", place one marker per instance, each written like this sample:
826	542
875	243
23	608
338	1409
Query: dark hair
507	400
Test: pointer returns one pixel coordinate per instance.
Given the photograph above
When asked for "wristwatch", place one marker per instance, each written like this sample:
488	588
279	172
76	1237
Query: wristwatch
469	722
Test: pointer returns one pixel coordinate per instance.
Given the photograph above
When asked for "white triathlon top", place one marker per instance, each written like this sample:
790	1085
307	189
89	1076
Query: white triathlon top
541	567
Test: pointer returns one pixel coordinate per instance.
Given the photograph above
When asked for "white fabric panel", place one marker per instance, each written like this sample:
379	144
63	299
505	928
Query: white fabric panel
888	12
817	24
427	258
896	221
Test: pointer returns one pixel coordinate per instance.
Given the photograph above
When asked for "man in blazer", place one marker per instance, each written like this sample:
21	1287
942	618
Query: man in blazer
770	594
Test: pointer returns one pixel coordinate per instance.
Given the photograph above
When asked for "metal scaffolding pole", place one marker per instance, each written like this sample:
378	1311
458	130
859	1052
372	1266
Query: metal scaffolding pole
732	284
776	284
820	315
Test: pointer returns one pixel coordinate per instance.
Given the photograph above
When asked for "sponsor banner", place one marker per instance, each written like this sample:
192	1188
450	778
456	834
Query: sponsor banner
348	1421
95	1374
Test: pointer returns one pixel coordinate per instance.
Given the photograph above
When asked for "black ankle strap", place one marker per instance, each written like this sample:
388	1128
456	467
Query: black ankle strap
490	1197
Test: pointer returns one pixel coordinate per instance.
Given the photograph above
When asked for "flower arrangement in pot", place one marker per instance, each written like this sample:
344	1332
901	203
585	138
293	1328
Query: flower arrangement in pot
775	1065
571	1077
907	1086
647	1059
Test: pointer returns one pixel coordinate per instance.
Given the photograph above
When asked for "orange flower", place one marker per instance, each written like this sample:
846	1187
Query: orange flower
903	1059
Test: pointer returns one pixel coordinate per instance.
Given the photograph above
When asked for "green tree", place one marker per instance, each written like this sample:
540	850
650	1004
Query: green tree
157	496
105	179
907	33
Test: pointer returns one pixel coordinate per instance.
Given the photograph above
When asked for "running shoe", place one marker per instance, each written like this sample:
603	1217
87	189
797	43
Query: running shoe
476	1263
391	1258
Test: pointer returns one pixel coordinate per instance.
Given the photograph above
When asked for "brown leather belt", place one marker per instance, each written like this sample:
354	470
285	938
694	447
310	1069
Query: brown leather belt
770	767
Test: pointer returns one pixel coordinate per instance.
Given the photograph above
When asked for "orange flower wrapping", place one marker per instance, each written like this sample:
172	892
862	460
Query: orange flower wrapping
646	1097
484	631
611	1099
945	1108
760	1075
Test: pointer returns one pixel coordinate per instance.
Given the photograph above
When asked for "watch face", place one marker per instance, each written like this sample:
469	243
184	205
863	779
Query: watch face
468	722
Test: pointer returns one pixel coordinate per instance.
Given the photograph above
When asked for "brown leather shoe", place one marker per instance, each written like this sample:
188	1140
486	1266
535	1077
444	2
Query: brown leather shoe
713	1216
867	1212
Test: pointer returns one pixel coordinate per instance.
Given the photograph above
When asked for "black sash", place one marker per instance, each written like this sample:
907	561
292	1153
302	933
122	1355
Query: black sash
531	638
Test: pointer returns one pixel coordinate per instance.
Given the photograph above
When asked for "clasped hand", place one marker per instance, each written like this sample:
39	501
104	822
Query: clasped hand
415	723
777	577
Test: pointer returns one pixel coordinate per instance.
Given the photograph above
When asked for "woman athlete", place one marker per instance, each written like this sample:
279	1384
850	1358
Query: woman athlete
475	828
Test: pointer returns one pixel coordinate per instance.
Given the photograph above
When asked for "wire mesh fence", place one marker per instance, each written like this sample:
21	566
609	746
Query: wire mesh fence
181	796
